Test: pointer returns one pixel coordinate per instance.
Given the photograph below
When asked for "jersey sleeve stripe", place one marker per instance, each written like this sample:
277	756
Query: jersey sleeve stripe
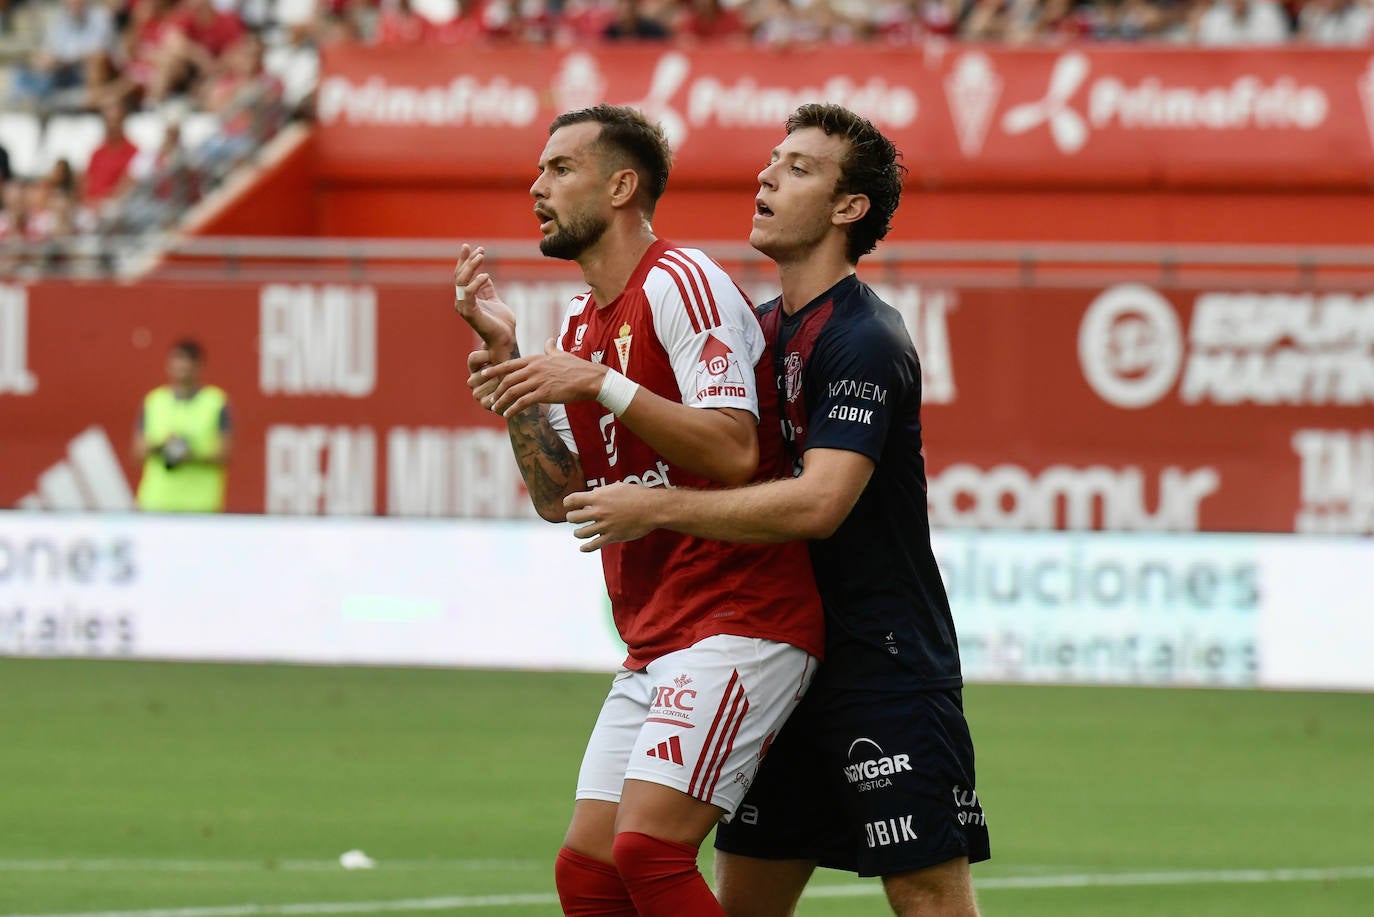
700	271
693	271
672	271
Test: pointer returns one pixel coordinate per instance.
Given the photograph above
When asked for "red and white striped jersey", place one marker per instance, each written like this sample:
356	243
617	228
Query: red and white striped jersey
684	331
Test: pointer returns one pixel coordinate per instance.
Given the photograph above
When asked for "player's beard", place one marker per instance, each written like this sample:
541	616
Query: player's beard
569	240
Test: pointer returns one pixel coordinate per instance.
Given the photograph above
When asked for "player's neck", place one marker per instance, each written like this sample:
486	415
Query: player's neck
806	277
608	265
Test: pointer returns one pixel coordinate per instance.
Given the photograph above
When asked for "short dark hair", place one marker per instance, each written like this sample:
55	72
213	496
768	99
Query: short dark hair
870	168
633	141
191	349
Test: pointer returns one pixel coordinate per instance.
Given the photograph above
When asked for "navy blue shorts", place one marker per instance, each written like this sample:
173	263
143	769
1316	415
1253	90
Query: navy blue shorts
876	784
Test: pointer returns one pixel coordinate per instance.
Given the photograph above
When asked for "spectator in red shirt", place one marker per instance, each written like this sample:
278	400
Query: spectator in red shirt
518	20
140	46
464	28
192	47
107	174
581	21
710	21
398	24
633	23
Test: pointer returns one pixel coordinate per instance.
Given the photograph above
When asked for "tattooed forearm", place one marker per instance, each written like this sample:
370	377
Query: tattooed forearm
551	471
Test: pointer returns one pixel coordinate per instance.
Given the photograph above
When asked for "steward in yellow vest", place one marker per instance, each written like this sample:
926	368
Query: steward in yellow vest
183	439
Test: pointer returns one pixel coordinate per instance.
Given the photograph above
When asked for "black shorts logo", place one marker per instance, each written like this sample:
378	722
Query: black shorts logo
875	770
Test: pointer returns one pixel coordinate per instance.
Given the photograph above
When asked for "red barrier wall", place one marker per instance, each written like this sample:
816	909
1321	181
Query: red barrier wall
1085	143
1118	408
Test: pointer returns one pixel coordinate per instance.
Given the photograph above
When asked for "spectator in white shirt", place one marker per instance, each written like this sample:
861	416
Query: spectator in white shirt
75	51
1337	22
1242	22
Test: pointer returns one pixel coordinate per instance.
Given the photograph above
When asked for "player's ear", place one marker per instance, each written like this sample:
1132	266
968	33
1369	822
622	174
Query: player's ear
624	186
849	208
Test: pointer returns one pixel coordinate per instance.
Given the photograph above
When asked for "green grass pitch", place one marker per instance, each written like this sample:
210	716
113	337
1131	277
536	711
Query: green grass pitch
174	790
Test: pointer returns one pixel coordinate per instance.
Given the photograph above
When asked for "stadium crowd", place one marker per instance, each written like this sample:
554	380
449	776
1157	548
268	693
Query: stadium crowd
241	68
775	22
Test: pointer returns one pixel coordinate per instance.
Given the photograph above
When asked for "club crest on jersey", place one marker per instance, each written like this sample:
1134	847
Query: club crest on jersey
792	376
718	372
622	347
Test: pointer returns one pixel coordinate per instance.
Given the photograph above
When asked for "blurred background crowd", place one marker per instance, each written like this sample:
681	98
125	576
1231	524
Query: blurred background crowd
118	115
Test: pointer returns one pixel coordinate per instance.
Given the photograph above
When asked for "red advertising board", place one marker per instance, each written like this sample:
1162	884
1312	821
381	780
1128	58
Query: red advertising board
965	115
1120	407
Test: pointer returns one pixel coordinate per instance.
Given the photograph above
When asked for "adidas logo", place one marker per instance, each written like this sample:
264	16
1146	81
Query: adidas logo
670	750
89	478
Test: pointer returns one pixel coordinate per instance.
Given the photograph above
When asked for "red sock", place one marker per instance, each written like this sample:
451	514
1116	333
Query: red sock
590	888
663	878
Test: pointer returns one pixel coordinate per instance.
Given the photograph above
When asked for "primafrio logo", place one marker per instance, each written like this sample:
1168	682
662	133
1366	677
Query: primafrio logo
1067	127
1247	102
465	101
741	102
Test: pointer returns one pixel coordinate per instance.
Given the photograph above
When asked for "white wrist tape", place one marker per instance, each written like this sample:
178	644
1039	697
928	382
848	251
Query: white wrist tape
617	391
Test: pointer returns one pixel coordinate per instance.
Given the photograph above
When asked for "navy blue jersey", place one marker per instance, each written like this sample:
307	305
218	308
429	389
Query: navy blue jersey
849	379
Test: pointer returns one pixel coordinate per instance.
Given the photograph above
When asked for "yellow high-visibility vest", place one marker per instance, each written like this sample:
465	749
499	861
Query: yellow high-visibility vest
193	486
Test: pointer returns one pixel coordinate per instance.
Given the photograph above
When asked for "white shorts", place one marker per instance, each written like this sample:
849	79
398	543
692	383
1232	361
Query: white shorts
698	720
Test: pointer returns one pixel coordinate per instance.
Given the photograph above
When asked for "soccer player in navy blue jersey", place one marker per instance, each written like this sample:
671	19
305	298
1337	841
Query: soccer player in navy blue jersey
874	773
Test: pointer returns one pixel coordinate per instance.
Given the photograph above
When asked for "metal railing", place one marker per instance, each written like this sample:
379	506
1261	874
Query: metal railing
171	257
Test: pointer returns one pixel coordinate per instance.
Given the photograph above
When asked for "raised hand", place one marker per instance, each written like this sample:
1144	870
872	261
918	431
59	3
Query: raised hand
476	300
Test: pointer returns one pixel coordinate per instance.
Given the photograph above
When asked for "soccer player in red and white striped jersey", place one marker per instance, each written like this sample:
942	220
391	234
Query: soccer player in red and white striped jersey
880	749
655	379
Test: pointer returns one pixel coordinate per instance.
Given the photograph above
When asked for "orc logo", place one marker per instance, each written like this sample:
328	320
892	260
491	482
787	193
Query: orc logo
1067	127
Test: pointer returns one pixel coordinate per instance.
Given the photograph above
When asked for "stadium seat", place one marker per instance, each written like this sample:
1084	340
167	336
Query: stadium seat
436	10
197	128
70	137
293	12
146	129
20	135
297	68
